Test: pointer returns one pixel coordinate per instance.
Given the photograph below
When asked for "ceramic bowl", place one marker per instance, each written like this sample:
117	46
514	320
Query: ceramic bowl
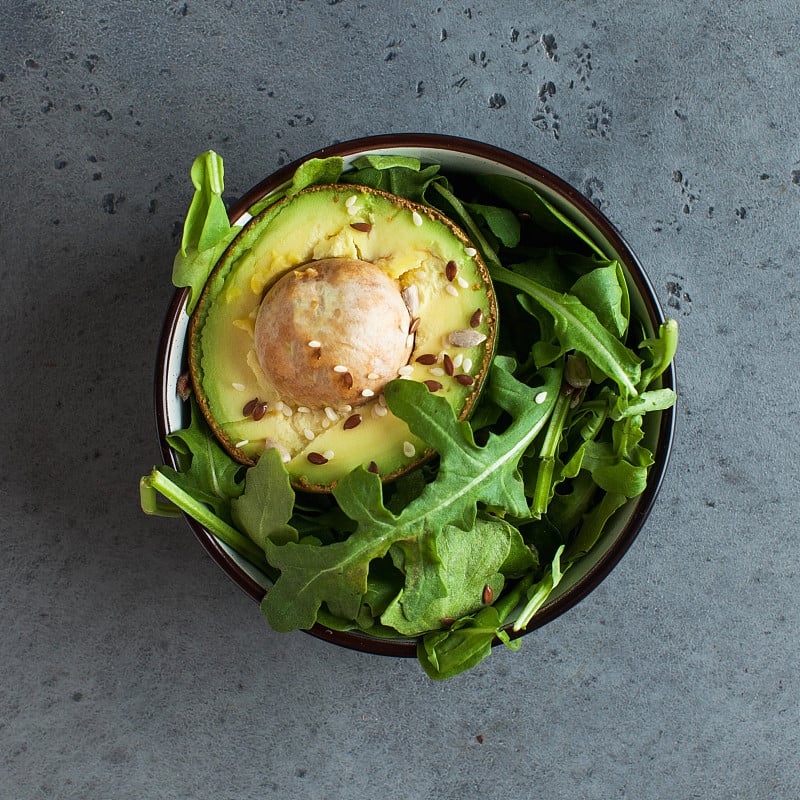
462	155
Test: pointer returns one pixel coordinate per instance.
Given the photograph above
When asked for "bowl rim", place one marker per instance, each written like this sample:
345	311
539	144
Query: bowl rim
407	647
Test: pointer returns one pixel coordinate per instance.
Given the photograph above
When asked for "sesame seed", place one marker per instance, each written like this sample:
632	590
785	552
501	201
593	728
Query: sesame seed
303	410
451	290
458	360
287	411
406	370
437	371
416	218
353	209
340	368
382	399
346	409
351	201
286	458
471	252
326	423
238	386
373	376
467	364
309	434
329	454
279	406
409	451
331	414
380	411
242	443
540	398
367	393
462	282
314	343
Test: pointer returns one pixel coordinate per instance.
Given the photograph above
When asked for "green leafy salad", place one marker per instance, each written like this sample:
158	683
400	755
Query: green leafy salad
462	551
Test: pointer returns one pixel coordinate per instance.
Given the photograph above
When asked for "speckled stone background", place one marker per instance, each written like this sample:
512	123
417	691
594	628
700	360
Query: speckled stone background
131	666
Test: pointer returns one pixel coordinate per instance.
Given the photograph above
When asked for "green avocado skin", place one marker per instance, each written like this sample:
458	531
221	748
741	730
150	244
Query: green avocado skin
447	291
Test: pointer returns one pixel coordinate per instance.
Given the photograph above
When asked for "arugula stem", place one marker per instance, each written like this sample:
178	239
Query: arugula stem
547	456
469	223
156	481
542	591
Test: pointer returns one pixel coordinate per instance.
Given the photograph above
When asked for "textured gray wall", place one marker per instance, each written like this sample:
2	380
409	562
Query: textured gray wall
131	666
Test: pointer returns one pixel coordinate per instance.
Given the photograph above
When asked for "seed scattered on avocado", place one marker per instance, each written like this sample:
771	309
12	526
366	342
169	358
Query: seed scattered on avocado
476	318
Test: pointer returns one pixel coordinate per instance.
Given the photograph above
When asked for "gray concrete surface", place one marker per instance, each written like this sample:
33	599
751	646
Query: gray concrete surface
131	667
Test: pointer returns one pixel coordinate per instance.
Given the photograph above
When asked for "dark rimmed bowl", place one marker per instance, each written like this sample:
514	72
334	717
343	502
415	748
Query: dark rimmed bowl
457	155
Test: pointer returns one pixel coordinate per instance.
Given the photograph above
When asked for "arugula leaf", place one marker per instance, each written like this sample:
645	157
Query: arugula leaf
206	230
336	574
264	509
502	222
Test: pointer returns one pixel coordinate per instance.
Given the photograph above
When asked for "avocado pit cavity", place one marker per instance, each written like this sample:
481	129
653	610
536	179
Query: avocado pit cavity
333	333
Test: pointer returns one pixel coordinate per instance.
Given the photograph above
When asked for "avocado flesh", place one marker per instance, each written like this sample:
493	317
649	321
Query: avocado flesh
412	245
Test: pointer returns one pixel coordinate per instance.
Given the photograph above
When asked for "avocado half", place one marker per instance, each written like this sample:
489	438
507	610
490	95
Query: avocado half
318	303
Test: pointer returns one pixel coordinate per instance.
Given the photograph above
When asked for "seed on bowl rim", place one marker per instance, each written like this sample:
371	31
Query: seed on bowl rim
317	458
451	270
352	422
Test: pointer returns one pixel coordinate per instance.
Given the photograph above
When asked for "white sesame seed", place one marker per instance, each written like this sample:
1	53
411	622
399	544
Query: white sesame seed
303	410
451	290
346	409
380	411
457	361
382	399
406	370
351	201
353	209
238	386
331	414
286	458
279	405
314	343
329	454
467	364
367	393
373	376
437	371
409	451
242	443
326	423
309	434
287	411
417	219
406	377
540	398
462	282
340	368
471	252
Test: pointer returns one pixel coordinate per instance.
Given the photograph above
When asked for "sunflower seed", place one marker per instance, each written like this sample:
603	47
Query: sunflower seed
411	298
466	338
